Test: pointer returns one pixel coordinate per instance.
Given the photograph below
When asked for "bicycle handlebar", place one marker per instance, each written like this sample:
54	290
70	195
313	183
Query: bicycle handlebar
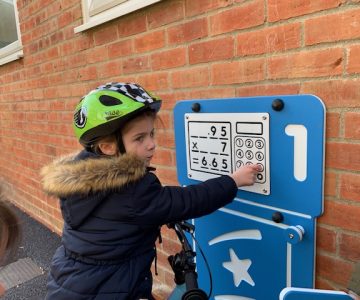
183	264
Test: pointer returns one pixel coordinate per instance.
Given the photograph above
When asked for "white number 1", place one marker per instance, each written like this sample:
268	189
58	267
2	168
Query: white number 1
299	132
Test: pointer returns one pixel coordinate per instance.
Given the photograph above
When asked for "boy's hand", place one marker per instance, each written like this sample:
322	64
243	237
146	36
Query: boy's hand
245	175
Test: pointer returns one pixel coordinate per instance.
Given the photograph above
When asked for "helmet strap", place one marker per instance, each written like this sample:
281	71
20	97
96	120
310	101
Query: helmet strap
120	143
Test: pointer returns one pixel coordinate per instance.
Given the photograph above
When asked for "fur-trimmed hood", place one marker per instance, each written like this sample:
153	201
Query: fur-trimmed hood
86	172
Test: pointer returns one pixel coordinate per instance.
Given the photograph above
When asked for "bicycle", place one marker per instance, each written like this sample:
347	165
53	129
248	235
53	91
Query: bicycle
184	266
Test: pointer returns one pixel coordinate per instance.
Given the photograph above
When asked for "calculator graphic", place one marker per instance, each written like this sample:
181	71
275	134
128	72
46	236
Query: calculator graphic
218	144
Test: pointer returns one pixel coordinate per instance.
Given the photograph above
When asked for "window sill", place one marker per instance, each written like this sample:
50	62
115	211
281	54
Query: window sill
113	13
11	53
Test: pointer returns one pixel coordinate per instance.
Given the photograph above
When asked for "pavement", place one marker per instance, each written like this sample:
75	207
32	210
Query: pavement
25	276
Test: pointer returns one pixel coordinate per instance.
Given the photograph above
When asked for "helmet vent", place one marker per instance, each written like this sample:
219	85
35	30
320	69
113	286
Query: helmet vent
109	101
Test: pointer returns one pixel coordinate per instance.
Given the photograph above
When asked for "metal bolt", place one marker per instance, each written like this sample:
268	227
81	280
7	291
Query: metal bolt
196	107
291	236
264	191
264	118
190	175
278	105
277	217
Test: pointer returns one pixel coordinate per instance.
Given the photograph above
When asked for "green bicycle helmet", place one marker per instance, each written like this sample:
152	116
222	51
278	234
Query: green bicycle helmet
104	111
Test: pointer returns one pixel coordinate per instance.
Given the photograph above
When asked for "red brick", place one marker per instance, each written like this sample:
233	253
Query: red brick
213	50
330	184
169	59
167	176
335	93
149	41
246	16
67	48
69	3
131	24
193	77
268	89
166	119
43	3
119	49
350	246
341	215
268	40
187	32
352	125
105	34
335	27
354	62
315	63
52	53
94	55
70	34
88	73
136	64
159	14
83	42
323	284
238	72
197	7
285	9
332	268
155	81
350	186
69	77
65	18
332	124
164	138
171	97
51	92
164	157
343	156
326	239
109	69
226	92
57	37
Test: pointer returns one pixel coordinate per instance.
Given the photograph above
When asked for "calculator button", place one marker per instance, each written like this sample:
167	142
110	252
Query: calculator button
259	156
239	142
259	144
249	143
260	176
261	167
239	153
239	163
249	155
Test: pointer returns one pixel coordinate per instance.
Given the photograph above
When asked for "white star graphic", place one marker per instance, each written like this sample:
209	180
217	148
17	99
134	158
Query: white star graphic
239	268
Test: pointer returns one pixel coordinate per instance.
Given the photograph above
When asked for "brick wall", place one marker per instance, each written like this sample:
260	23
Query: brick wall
183	49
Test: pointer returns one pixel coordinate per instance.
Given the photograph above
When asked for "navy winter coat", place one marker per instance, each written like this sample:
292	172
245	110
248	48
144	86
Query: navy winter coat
113	208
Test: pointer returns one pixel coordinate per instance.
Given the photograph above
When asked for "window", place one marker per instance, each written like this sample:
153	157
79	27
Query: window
96	12
10	42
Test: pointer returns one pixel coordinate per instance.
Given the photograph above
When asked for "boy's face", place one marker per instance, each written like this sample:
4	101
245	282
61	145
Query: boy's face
138	137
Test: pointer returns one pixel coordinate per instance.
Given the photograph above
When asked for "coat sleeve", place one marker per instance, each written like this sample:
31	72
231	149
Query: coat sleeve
155	204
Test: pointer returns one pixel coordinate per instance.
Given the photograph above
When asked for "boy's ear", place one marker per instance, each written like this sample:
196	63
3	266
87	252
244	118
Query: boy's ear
108	148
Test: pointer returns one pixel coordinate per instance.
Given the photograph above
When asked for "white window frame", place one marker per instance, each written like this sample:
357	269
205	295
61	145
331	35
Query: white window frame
110	11
14	50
